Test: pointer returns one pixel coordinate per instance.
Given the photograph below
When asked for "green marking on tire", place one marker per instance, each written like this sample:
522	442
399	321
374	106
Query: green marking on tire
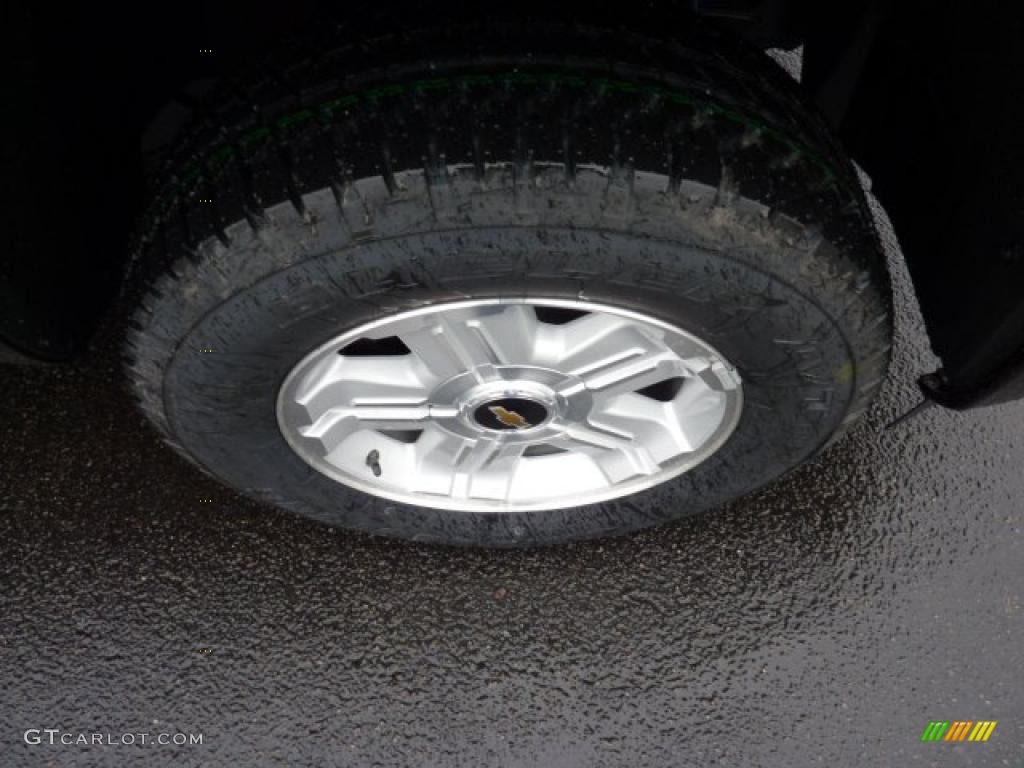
560	79
295	117
519	78
617	85
844	373
433	84
476	79
219	157
288	121
329	107
385	90
255	135
677	98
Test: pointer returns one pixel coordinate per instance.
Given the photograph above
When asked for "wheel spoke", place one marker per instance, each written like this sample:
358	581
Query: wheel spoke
466	468
629	374
511	333
678	426
351	380
612	356
448	346
694	416
472	459
486	470
335	424
618	455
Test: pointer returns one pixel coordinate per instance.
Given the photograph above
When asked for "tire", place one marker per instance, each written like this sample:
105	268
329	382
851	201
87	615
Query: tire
683	179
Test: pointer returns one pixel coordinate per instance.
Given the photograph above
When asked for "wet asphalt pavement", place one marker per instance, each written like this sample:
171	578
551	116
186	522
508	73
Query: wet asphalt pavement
822	621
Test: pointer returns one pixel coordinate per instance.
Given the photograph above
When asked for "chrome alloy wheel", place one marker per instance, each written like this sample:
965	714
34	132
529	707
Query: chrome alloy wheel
508	404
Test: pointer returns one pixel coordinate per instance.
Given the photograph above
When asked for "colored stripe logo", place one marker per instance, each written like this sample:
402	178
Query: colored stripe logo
958	730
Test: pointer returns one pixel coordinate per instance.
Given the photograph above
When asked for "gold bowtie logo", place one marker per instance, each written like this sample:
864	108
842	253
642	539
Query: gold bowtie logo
509	418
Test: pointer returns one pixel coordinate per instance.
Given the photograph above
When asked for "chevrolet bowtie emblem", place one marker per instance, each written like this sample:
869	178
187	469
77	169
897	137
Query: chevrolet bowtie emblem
509	418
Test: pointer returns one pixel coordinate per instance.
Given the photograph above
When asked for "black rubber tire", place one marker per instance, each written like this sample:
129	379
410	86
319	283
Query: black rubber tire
685	179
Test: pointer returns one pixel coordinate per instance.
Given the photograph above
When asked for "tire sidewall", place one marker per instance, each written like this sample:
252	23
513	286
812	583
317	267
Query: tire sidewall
221	405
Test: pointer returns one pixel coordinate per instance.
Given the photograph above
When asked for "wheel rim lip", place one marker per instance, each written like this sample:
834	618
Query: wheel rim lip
733	411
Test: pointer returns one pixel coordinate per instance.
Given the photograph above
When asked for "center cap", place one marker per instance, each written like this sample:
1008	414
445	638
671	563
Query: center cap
510	413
